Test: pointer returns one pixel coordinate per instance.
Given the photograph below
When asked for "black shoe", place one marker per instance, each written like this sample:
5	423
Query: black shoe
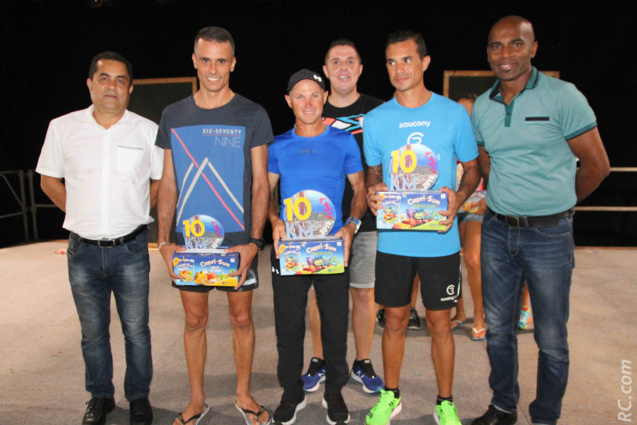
337	413
414	319
380	318
96	411
496	417
140	412
285	414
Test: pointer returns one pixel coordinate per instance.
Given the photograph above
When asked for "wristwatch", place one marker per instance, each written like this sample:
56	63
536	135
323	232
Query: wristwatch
260	243
354	220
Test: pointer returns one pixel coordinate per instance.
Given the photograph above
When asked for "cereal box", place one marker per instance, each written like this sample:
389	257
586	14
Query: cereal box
311	256
406	210
206	267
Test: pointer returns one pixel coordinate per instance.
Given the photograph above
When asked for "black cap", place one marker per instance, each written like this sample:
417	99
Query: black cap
305	74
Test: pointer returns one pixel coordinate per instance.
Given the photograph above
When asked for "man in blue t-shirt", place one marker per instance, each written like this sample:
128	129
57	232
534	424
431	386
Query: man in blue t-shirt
216	165
531	129
313	156
417	120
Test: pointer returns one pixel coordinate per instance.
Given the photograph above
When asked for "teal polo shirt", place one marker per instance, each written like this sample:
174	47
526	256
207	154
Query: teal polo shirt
532	166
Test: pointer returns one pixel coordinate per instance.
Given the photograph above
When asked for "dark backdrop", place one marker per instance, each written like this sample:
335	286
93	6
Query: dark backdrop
47	46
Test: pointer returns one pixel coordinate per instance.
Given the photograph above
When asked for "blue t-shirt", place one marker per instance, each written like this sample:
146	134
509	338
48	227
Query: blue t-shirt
319	163
444	127
212	160
532	165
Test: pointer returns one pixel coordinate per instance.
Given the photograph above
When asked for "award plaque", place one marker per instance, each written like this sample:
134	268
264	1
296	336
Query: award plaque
409	205
204	262
307	249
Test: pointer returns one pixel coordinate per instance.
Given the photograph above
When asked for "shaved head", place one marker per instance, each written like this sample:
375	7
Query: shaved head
523	24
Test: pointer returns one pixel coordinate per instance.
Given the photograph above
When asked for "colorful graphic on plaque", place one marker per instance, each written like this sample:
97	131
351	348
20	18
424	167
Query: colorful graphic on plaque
414	167
308	214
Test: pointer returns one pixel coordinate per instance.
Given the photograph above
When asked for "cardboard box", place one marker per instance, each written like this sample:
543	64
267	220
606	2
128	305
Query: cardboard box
206	267
406	210
311	256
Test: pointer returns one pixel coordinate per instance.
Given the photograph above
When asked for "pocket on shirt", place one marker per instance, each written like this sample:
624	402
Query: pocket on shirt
537	120
129	159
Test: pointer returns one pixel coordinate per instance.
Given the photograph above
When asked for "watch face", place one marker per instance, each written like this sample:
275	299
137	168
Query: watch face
202	232
308	213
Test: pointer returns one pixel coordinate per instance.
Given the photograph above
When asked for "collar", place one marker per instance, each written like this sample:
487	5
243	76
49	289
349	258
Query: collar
531	84
88	116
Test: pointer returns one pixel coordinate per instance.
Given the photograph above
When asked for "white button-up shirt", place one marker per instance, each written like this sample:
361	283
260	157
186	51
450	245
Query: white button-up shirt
106	172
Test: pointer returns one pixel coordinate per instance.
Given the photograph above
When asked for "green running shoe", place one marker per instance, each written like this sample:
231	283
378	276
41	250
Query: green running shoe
387	407
446	414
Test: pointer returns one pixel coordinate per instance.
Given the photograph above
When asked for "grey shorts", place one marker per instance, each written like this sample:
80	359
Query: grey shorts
464	217
362	263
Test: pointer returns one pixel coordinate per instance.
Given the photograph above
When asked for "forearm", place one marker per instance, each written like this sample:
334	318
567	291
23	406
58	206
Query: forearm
166	203
55	190
374	176
154	188
468	184
484	163
260	205
588	179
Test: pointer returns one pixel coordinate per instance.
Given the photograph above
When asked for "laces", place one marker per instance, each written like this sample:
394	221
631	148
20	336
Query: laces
91	405
385	401
315	366
447	409
368	369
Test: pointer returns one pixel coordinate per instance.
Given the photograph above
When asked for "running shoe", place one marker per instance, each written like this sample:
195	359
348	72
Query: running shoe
380	318
314	376
446	414
387	407
414	319
363	372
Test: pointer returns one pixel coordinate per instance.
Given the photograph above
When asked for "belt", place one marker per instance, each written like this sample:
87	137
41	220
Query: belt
113	242
538	221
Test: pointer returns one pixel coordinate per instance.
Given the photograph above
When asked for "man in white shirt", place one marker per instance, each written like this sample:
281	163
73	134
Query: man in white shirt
96	165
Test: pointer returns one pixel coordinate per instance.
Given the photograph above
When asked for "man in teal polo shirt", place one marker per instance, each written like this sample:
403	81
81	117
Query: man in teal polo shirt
531	130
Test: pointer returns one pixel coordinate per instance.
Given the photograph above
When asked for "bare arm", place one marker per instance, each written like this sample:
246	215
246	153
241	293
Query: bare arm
166	204
469	182
484	161
359	205
55	190
154	188
594	165
278	227
260	194
374	183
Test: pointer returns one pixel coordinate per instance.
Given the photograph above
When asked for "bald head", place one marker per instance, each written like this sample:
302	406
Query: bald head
510	49
524	25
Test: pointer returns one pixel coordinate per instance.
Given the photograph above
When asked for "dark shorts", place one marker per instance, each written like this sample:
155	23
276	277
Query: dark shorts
251	283
439	280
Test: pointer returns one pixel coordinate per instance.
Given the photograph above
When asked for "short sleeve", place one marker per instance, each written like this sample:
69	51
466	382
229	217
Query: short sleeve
575	114
156	162
373	156
262	134
476	129
465	142
273	162
353	163
51	161
163	132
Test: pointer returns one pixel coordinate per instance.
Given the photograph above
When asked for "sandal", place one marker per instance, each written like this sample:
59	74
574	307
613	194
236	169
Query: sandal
458	324
478	334
247	412
195	418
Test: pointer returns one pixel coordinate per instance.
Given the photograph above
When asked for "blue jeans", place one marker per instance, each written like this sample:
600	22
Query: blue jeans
544	258
94	273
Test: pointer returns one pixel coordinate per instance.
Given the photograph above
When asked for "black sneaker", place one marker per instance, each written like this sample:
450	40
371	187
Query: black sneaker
494	416
140	412
96	411
380	318
285	414
414	319
337	413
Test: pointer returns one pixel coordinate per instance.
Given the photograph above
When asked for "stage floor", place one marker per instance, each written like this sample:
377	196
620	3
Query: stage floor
42	371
